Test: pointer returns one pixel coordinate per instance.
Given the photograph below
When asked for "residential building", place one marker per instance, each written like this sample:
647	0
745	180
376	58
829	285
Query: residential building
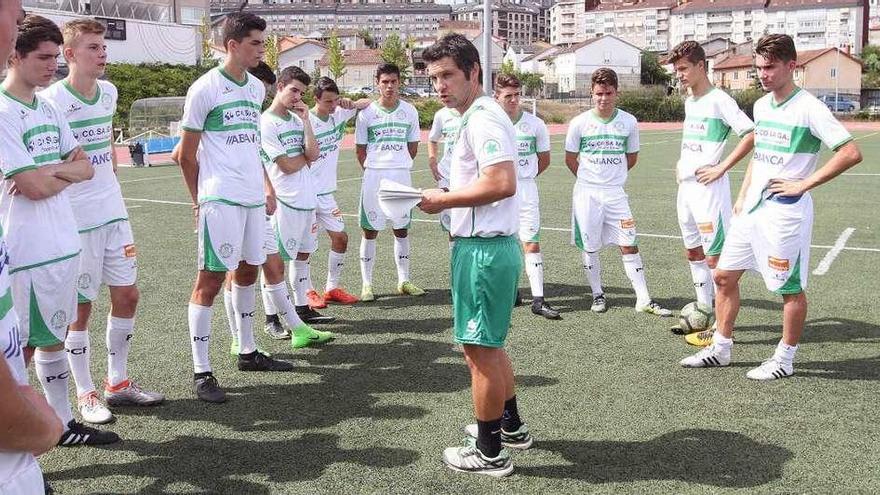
517	56
518	23
360	69
567	70
498	48
643	23
465	28
303	53
568	22
186	12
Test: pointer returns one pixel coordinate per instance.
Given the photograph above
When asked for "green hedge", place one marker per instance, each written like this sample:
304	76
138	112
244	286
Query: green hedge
652	105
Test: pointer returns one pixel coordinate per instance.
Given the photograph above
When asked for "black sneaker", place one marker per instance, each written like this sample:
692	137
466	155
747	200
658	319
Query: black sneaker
207	389
47	488
80	434
312	317
257	361
541	308
276	331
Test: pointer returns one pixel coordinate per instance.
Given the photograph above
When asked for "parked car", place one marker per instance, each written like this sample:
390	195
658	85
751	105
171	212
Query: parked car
409	92
839	104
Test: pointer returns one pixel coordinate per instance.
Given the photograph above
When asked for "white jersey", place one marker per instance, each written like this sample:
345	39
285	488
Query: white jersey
386	134
788	136
445	128
602	146
707	123
486	137
227	114
329	133
285	137
98	201
531	138
35	135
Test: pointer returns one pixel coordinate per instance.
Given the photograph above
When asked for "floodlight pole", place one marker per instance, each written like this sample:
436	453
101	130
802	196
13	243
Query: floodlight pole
487	45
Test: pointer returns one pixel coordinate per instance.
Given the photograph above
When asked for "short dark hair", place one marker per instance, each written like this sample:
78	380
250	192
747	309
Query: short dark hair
294	73
239	25
507	81
604	76
458	48
387	68
34	30
776	47
263	72
325	84
688	50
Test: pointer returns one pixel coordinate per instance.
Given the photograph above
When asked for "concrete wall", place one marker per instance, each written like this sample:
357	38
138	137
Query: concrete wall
817	75
306	56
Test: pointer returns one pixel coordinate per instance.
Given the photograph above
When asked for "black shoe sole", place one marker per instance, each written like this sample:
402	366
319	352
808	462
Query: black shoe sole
319	320
212	400
549	316
248	367
278	336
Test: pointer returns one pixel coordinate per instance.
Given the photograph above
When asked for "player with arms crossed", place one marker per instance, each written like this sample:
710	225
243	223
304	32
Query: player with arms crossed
772	220
601	147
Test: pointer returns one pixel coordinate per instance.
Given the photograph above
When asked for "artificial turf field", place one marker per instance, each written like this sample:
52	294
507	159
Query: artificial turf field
603	394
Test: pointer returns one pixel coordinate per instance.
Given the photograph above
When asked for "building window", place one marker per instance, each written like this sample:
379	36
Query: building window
192	16
833	73
735	75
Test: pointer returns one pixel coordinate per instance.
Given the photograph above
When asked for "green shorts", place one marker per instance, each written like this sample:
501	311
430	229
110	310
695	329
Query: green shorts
485	274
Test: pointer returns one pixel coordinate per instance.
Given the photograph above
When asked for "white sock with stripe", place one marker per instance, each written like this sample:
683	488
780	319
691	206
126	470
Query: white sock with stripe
53	372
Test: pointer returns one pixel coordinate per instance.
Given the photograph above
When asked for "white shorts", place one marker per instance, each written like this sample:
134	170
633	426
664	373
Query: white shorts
292	229
328	217
108	257
28	481
445	215
45	300
601	217
704	214
270	244
371	216
529	211
230	234
775	241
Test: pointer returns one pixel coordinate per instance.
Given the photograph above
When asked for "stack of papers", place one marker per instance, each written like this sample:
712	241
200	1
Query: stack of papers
396	199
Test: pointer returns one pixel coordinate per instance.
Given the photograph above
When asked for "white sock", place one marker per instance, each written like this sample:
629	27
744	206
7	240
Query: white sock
535	271
119	333
281	299
635	270
231	319
52	370
244	300
79	354
451	245
299	275
593	270
785	352
721	340
702	277
199	334
335	264
401	258
368	259
268	304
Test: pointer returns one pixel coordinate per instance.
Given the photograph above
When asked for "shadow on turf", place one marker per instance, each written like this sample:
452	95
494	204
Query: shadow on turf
821	330
707	457
216	466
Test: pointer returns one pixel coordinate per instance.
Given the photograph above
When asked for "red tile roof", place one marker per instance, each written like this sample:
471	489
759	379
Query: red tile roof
356	57
804	58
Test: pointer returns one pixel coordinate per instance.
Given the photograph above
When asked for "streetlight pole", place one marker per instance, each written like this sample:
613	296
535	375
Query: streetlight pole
487	45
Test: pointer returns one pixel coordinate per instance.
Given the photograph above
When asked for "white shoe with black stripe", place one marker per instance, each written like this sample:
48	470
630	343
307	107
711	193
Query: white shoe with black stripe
469	459
771	369
710	357
80	434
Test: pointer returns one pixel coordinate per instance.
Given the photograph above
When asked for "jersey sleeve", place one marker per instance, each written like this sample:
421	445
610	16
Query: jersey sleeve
415	131
68	141
360	129
735	117
436	132
827	128
270	141
542	137
14	158
196	108
344	115
573	136
495	143
632	142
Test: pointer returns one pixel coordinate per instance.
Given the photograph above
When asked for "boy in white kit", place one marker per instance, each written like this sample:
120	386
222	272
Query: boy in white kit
444	128
387	138
601	146
772	222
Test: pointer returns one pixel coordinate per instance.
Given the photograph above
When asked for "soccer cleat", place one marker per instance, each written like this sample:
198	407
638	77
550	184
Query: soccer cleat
410	289
710	357
129	393
700	339
234	349
367	293
257	361
541	308
276	331
771	369
315	300
80	434
339	295
469	459
208	390
654	309
599	304
305	336
91	409
520	439
312	317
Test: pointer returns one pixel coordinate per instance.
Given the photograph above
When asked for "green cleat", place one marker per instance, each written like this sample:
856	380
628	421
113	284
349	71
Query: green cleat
305	336
410	289
367	294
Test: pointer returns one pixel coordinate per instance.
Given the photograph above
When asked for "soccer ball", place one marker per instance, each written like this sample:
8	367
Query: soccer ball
695	317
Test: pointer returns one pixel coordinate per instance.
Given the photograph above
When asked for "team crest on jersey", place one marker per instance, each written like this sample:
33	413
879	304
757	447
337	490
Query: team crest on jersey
106	101
59	319
525	128
225	250
619	126
400	114
47	111
84	281
491	147
290	244
253	91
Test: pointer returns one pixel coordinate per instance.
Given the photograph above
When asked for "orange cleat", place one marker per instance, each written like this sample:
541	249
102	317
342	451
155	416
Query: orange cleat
340	296
315	300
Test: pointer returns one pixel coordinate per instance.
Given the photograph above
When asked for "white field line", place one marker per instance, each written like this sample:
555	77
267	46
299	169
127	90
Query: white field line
866	136
144	179
831	255
739	171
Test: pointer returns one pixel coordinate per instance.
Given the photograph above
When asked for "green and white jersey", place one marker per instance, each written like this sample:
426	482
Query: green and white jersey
707	123
34	134
284	136
329	133
227	113
788	136
98	201
602	146
387	133
445	128
486	138
531	138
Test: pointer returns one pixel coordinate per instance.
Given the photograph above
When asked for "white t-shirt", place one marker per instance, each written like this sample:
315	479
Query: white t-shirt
531	138
285	137
787	140
486	138
227	113
387	133
707	123
98	201
445	128
329	134
34	135
602	146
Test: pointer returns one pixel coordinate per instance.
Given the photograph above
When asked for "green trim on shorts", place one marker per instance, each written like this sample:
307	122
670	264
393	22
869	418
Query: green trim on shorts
578	240
213	263
536	237
6	303
293	207
43	263
793	284
718	243
40	335
282	251
208	199
81	299
96	227
365	222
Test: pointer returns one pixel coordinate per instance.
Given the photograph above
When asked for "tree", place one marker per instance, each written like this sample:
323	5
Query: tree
394	52
271	54
871	66
207	58
507	67
531	82
652	71
335	60
367	36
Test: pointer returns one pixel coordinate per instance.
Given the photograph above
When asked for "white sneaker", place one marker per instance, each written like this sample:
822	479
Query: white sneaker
710	357
654	309
469	459
771	369
520	439
92	410
599	304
